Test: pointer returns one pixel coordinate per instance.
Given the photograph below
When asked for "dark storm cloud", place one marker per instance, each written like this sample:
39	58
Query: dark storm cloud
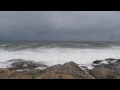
60	25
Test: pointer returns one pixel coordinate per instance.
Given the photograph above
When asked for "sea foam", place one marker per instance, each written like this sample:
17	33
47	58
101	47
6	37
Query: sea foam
53	56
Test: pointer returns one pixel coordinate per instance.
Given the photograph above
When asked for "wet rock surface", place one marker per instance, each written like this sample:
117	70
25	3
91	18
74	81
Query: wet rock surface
102	69
97	61
108	69
20	64
68	70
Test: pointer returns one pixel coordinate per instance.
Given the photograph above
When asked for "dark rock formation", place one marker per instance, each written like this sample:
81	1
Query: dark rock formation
97	61
19	64
110	59
111	70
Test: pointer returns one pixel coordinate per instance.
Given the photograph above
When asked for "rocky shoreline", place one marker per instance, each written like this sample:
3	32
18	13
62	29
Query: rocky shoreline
21	69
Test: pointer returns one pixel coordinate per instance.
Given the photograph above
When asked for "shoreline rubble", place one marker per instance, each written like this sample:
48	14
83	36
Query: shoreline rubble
102	69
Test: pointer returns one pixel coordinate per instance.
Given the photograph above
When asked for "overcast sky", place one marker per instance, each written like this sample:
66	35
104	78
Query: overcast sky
60	25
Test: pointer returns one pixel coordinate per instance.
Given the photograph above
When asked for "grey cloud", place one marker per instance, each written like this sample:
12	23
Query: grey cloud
60	25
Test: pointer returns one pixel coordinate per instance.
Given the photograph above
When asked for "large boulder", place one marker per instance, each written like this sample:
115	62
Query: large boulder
108	69
104	73
68	70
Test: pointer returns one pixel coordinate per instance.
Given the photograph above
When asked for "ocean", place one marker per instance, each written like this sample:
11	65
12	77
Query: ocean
52	53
